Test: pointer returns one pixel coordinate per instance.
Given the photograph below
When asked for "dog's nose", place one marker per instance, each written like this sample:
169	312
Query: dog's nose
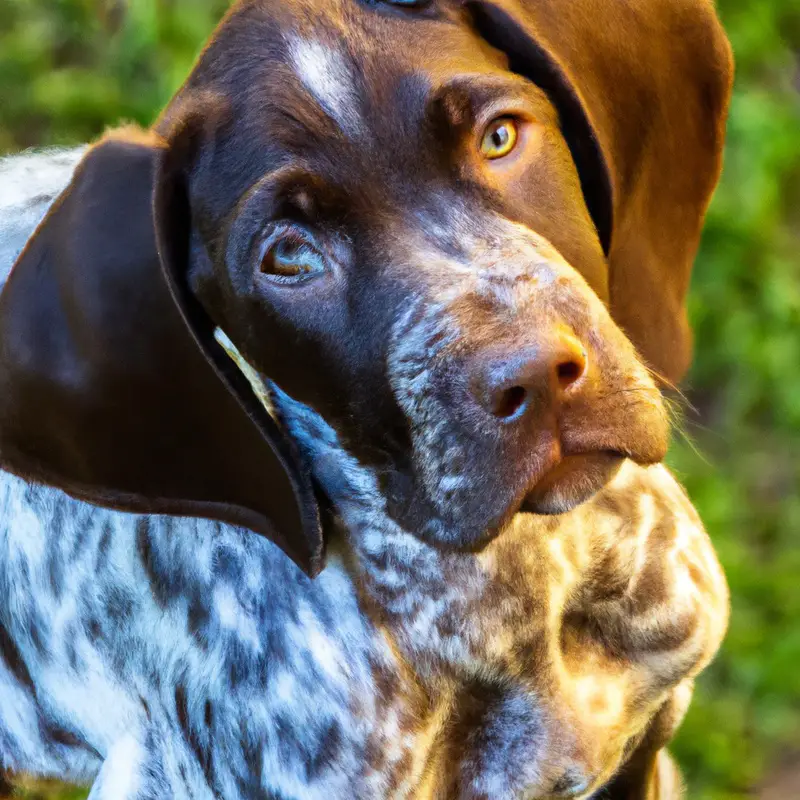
508	384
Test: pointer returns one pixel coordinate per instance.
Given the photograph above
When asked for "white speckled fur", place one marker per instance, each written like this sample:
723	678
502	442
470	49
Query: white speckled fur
326	76
28	185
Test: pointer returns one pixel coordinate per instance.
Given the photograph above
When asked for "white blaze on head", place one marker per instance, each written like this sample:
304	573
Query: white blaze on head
325	74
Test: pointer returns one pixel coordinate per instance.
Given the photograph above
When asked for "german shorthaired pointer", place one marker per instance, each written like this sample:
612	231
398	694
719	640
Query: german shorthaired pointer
362	290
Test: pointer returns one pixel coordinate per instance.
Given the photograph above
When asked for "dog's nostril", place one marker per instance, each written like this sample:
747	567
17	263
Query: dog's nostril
510	401
568	372
508	385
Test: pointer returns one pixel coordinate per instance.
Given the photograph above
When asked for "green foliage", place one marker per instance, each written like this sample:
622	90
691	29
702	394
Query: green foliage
68	68
47	790
745	308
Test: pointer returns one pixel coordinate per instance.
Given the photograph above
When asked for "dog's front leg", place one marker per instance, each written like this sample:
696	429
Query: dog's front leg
150	765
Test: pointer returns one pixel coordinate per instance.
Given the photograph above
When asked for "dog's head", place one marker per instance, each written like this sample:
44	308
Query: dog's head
428	222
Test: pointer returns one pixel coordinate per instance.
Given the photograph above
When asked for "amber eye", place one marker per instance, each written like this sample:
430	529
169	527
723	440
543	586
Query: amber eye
290	258
500	138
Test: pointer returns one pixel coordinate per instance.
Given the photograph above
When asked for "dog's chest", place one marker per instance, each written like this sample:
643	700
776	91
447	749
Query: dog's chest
118	623
397	673
523	666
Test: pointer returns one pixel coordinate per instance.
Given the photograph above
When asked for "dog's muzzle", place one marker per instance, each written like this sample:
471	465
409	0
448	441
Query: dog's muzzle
522	393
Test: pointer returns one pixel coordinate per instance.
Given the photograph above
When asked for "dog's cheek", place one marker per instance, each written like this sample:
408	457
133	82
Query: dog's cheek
420	339
457	468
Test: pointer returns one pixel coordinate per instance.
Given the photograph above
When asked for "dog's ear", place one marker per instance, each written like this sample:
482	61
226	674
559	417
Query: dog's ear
112	386
642	92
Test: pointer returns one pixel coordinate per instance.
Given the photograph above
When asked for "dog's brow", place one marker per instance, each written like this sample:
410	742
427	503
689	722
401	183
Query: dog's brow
326	76
503	93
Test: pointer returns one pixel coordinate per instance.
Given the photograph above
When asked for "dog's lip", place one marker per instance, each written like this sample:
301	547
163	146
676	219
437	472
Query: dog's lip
572	479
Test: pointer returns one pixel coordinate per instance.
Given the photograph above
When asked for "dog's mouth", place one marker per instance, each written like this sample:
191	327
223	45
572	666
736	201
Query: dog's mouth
551	468
571	480
581	459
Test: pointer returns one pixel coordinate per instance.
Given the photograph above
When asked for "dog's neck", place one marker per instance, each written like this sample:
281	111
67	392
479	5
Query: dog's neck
351	487
408	580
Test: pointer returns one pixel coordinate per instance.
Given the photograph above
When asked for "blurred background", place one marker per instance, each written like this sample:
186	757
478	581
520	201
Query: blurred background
70	68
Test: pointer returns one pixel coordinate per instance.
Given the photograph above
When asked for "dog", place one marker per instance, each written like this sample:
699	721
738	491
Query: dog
387	284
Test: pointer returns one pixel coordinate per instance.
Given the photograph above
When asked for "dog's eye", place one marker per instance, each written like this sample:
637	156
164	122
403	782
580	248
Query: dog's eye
500	138
290	257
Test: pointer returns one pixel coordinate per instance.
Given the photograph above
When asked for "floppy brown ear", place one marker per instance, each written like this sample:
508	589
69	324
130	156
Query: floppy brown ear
112	386
642	90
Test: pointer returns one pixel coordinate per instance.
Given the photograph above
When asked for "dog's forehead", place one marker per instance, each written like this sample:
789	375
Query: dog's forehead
356	102
328	76
348	56
341	87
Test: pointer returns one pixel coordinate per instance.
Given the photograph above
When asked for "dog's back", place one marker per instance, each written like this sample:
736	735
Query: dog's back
29	183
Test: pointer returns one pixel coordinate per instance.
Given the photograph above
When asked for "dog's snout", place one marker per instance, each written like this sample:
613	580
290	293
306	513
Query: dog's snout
509	383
